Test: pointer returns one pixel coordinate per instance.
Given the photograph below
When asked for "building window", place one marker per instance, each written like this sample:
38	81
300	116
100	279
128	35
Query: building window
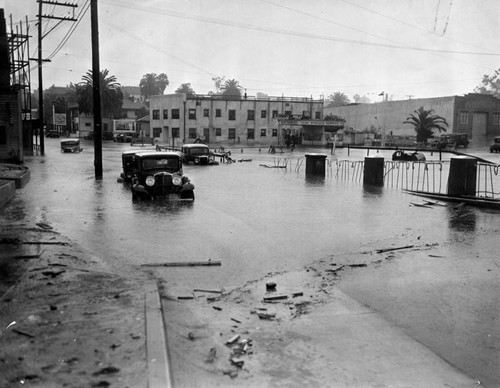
232	134
105	127
275	132
156	114
165	114
275	113
250	133
232	114
496	118
463	117
218	113
87	124
251	114
263	132
306	114
175	113
317	115
206	112
218	132
288	112
192	133
175	132
192	114
156	132
263	114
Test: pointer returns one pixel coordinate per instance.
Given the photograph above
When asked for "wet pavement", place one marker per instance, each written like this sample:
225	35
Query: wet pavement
257	220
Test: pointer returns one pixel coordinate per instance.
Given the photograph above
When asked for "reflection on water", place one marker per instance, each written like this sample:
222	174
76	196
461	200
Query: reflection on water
462	220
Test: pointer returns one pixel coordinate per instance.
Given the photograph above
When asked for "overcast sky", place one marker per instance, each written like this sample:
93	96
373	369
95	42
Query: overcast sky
418	48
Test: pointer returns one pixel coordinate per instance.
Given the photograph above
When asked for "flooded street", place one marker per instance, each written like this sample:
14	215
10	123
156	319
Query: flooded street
257	220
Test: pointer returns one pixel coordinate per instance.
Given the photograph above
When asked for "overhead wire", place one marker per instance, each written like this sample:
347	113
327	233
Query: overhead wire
288	32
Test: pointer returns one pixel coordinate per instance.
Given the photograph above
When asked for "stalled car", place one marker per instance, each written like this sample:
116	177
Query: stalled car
54	134
159	174
495	146
71	145
128	165
197	153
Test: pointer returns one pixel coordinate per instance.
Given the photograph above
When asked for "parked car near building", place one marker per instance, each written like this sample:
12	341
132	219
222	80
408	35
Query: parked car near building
197	153
54	134
495	146
71	145
159	174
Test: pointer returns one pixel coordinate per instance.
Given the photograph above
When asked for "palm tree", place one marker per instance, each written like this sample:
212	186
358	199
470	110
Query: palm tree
153	84
231	88
111	94
338	99
424	122
186	88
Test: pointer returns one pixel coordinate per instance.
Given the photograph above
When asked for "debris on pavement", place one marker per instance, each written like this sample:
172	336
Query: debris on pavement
184	264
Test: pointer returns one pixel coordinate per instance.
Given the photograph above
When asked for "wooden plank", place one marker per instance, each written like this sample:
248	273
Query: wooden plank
184	264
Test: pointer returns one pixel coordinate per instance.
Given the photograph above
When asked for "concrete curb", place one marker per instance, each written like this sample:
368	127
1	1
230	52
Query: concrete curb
7	191
159	375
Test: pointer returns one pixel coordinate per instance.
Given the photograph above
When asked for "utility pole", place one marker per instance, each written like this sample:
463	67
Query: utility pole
96	86
40	87
40	60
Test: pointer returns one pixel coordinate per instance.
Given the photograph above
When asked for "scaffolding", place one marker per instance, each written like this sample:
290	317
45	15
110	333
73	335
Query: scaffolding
20	79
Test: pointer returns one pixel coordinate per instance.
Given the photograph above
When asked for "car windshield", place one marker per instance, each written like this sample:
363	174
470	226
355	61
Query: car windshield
199	151
165	163
69	143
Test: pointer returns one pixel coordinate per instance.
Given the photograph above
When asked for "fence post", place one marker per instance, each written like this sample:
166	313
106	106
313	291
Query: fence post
462	177
373	173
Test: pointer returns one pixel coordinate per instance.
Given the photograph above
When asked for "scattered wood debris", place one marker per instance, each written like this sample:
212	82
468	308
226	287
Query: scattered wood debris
233	339
22	332
274	298
184	264
394	249
265	315
208	291
43	225
271	286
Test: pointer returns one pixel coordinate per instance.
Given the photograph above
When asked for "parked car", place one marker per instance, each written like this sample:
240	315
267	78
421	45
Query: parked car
128	164
123	138
159	174
197	153
54	134
71	145
89	136
495	146
413	157
107	136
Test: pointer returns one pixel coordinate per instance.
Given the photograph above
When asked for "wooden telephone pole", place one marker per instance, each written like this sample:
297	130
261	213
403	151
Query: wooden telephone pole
96	83
40	60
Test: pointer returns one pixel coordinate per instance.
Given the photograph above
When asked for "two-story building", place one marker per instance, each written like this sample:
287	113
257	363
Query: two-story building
176	119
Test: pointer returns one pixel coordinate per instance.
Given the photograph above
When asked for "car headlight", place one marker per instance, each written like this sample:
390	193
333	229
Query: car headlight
177	180
196	160
150	180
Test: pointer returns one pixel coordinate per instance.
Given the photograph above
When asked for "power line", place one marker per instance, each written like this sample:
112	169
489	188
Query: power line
287	32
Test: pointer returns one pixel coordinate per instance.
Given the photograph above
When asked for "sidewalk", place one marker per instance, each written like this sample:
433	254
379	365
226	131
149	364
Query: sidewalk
65	320
318	338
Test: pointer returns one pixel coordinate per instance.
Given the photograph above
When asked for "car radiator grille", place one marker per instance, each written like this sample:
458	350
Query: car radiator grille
163	184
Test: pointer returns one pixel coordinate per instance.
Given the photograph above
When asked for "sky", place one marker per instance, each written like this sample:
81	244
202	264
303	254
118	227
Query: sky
292	48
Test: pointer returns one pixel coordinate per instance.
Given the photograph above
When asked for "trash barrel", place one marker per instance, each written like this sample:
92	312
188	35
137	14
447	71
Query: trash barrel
373	173
462	177
315	164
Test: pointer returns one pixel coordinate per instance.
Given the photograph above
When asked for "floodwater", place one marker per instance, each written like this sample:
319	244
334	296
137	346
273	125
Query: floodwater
257	220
